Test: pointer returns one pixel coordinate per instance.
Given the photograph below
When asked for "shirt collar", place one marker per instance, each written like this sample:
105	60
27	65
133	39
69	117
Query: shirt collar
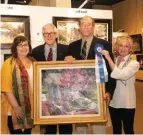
89	40
54	46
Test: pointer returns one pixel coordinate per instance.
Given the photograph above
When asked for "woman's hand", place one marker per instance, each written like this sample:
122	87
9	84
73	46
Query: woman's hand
110	61
106	54
13	102
107	97
18	112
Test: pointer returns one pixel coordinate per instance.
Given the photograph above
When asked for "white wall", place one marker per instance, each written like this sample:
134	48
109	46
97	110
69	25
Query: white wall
40	15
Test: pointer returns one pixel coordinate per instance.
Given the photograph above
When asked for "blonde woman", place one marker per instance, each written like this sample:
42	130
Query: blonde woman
16	88
123	104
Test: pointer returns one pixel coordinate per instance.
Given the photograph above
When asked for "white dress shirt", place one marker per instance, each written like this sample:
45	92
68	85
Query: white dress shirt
124	95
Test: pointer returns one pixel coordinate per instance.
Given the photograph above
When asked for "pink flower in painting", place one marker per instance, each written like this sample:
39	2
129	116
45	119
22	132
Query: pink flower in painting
66	79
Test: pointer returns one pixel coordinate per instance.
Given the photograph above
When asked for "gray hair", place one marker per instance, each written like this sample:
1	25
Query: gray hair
50	25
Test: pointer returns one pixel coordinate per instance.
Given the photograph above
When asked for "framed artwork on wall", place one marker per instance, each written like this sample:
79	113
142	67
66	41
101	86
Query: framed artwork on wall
68	29
137	43
140	60
103	29
12	26
67	93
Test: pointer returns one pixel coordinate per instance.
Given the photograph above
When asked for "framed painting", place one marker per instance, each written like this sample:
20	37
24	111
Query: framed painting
12	26
67	93
140	60
103	29
137	43
68	29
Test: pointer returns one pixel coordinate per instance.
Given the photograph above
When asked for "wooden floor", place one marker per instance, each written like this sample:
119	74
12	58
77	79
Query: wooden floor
138	125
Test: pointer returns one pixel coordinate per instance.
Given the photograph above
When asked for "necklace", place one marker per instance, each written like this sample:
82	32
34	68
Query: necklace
124	65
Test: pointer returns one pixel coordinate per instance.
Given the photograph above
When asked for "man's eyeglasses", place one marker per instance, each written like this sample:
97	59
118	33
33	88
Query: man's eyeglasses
49	34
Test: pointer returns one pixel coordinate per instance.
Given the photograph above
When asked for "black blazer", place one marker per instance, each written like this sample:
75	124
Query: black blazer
38	52
74	50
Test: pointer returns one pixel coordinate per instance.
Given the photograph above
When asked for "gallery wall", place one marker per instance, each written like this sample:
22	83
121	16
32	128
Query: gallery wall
128	15
40	15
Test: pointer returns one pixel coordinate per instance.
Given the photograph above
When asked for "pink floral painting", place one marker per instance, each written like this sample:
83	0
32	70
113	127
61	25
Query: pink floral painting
69	91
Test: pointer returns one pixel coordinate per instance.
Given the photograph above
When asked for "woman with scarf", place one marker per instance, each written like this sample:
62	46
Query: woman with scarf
123	104
16	88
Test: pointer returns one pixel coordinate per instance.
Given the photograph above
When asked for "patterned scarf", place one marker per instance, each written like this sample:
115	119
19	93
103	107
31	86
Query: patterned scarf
21	91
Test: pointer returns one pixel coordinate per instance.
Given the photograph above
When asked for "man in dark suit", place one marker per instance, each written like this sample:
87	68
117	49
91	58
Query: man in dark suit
52	51
75	51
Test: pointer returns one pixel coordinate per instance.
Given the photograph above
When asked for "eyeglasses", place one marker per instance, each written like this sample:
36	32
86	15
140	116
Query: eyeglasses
23	45
49	34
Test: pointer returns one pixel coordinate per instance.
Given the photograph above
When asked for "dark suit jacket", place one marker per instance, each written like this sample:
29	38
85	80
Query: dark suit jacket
74	50
38	52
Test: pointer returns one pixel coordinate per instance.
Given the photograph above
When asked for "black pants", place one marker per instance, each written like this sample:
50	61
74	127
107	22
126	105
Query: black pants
19	131
123	117
63	129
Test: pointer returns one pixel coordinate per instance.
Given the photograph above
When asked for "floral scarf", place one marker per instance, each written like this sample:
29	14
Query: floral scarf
21	91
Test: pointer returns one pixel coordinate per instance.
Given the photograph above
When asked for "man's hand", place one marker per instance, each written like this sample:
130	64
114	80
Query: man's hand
69	59
107	97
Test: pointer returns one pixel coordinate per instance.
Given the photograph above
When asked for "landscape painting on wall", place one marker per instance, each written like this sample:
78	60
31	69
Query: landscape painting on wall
68	31
12	26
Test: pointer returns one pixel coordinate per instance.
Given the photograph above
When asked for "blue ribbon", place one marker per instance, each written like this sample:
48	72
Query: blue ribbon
98	48
101	69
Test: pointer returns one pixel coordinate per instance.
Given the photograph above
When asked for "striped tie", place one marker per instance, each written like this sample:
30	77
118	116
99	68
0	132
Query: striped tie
83	51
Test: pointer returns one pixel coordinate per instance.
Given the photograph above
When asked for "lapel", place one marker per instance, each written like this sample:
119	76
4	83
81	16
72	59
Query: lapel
91	54
42	53
79	46
58	52
124	63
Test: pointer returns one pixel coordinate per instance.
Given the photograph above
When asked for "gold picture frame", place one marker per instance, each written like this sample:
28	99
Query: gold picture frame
68	93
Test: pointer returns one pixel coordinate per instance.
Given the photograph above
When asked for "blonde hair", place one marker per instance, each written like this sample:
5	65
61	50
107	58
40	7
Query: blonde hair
120	40
87	19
